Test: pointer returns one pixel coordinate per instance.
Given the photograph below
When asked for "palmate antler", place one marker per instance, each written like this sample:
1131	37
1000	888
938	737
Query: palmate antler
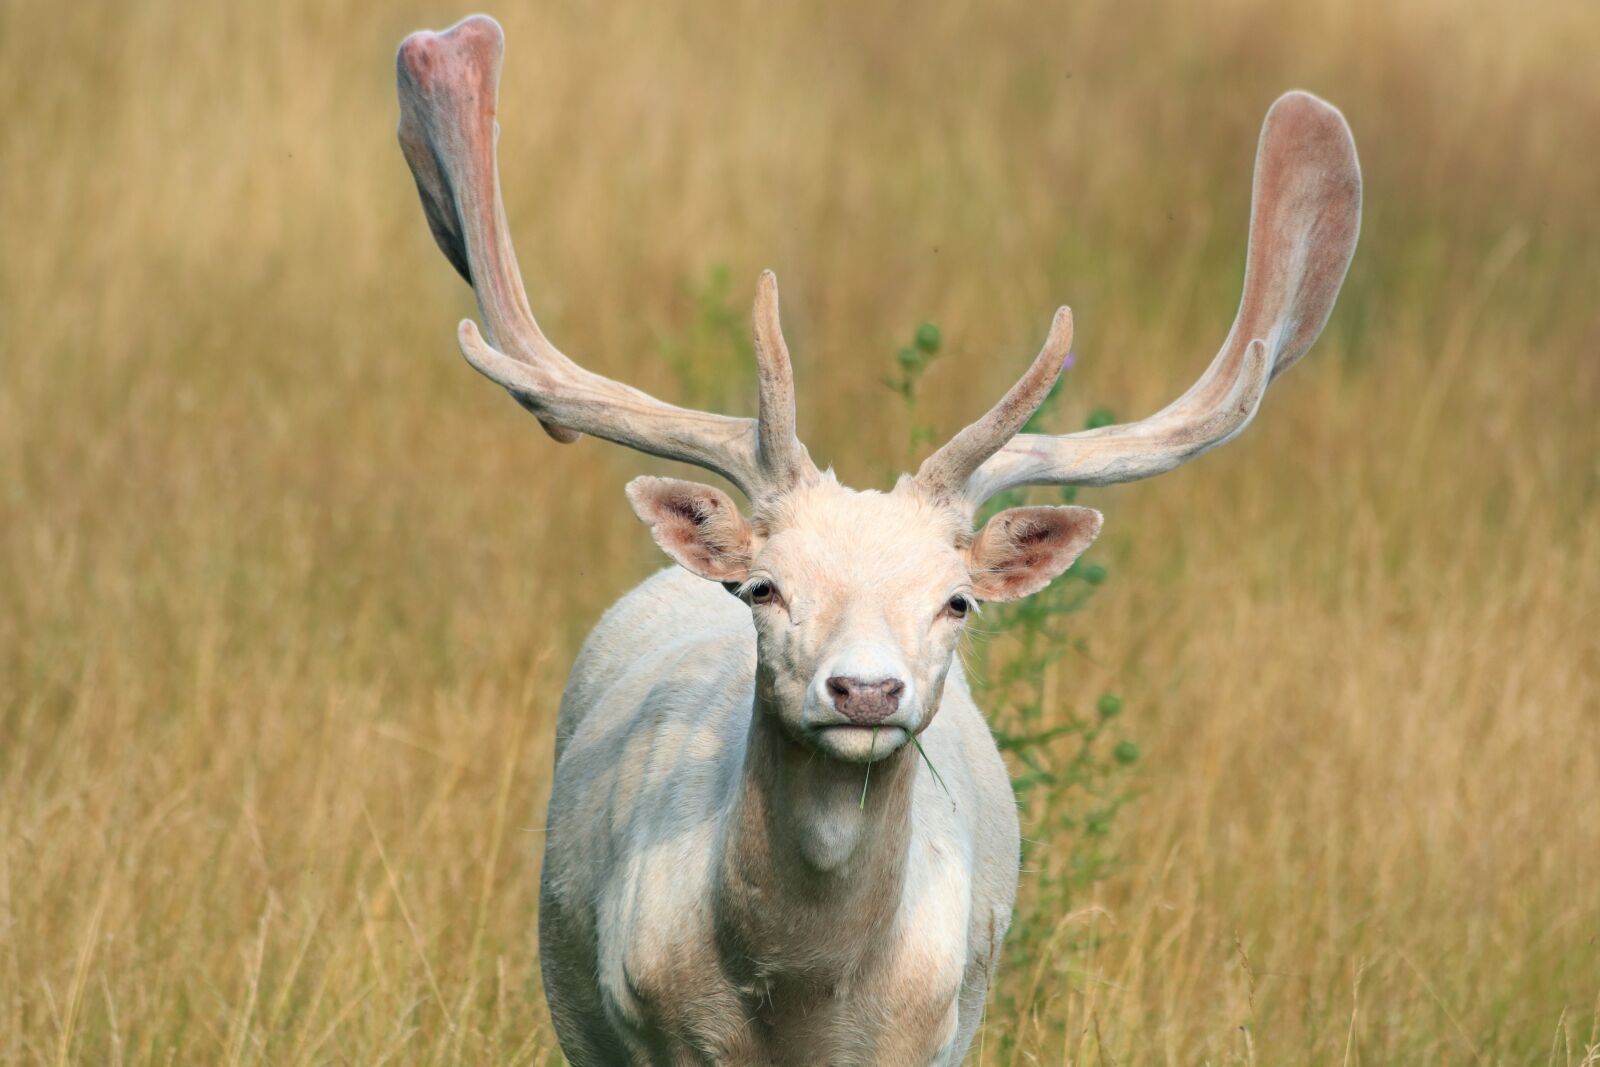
1305	215
448	85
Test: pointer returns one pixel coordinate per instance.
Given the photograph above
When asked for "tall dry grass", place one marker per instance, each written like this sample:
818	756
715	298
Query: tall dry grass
287	594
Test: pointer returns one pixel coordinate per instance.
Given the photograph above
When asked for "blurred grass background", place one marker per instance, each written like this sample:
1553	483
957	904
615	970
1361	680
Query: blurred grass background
287	593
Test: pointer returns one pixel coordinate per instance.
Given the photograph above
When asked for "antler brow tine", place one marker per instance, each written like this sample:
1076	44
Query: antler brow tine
778	444
448	83
947	470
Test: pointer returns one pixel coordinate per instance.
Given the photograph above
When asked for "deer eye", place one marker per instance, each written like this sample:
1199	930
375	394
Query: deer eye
959	605
761	592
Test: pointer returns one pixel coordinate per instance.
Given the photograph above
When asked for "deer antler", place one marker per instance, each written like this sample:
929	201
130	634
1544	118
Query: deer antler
448	85
948	469
1305	215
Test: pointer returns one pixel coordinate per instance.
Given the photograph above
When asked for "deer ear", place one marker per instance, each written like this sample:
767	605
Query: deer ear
1020	550
695	524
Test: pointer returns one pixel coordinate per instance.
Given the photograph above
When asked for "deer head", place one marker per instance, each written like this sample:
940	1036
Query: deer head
859	598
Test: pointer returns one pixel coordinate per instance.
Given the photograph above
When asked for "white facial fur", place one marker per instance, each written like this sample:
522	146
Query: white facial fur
863	584
859	599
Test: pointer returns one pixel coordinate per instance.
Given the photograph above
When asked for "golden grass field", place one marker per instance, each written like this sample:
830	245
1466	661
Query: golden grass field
287	593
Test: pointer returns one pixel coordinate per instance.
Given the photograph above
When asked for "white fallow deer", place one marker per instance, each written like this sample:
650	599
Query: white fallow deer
716	888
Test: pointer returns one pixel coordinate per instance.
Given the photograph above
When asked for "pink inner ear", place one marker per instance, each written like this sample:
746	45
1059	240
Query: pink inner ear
1029	533
1009	584
1021	550
690	511
696	525
688	550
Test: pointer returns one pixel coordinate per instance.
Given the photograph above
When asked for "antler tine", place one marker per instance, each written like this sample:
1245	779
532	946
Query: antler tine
946	471
1305	218
448	83
778	445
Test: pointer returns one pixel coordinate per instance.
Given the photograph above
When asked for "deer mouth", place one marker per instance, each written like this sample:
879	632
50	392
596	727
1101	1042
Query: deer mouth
858	744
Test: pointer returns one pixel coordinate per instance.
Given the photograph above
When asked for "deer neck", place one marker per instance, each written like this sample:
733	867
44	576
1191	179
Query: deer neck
814	855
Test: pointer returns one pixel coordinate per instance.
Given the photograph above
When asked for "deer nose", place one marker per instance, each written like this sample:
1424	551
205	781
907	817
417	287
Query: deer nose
865	703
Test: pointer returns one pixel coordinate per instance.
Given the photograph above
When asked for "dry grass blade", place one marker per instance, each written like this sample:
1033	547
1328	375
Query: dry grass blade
287	593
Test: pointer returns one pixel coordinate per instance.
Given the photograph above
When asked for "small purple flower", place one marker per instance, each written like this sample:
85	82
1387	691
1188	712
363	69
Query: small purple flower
1070	361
